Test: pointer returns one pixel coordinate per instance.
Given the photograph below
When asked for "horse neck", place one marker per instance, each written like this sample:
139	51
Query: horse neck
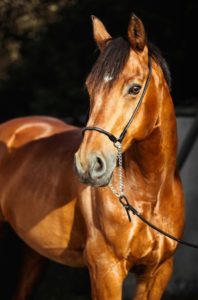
154	158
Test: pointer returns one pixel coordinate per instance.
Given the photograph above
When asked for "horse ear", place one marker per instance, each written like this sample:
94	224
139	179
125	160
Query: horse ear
100	33
136	34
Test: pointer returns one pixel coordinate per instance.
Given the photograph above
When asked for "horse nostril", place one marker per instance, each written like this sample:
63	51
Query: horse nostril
99	167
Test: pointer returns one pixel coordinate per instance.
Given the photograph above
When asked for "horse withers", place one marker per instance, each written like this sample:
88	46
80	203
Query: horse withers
83	223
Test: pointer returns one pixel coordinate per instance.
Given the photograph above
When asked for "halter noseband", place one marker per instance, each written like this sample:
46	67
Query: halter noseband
112	137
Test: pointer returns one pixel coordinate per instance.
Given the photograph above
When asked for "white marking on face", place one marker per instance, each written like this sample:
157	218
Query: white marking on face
107	78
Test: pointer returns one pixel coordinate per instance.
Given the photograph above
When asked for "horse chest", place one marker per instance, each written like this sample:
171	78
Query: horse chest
129	240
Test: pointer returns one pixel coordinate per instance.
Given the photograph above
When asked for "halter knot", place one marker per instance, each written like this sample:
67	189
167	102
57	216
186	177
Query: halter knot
125	203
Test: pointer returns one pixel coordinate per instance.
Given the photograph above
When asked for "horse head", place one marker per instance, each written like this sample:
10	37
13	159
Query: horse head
118	83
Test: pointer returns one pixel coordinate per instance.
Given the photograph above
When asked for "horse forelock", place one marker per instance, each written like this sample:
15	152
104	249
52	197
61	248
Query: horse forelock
112	60
109	64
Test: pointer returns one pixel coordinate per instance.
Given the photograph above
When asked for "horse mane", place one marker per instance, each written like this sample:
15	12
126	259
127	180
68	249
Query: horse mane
156	54
112	60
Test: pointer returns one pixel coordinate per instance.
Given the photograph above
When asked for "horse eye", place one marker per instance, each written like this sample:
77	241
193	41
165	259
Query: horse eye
134	89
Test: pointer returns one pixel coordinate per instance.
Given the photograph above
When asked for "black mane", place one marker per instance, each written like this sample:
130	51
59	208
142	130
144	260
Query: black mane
156	54
113	59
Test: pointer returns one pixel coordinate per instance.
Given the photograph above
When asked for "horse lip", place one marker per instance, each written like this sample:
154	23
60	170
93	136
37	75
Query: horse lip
99	185
95	183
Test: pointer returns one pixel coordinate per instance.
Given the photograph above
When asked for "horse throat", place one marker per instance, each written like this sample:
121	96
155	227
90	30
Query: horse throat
150	161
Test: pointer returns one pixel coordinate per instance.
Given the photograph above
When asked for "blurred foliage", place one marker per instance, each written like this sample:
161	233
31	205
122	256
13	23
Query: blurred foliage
21	20
47	50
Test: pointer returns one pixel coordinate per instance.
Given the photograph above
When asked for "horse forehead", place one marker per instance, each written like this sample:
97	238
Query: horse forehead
134	67
108	77
136	62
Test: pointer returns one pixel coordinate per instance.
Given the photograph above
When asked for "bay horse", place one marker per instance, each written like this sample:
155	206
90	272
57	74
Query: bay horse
14	134
17	132
83	223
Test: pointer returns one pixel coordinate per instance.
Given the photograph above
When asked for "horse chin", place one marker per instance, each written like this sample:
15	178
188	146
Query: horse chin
100	182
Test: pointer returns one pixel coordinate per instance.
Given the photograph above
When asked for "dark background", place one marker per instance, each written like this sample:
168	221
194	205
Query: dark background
46	52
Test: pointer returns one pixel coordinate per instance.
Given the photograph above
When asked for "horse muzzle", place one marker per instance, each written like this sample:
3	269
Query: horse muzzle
95	170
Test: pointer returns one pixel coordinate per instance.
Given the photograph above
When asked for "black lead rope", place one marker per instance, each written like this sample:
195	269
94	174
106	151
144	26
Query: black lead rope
129	208
123	199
